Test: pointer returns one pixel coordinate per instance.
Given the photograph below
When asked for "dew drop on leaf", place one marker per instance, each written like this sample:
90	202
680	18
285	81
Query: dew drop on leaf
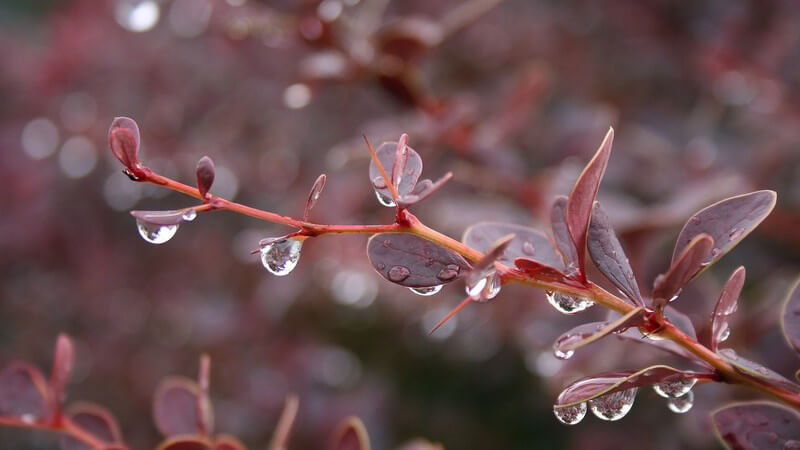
680	405
427	291
385	200
677	388
493	287
474	290
563	355
570	415
189	215
568	304
613	406
725	334
449	272
280	257
398	273
156	233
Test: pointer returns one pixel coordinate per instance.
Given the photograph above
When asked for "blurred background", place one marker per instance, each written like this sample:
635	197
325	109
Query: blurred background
512	96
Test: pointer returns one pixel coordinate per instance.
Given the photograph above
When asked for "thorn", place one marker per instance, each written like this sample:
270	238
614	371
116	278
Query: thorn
452	313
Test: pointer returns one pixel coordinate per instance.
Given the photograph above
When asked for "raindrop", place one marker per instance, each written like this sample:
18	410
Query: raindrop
613	406
385	200
725	334
568	304
528	248
427	291
680	405
563	355
494	285
156	233
677	388
449	272
280	257
570	415
189	215
398	273
474	290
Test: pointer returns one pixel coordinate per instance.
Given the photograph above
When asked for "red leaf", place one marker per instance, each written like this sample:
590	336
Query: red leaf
176	407
609	257
412	261
558	221
186	442
205	175
790	317
725	307
124	141
95	420
351	435
313	195
683	269
757	425
527	243
24	392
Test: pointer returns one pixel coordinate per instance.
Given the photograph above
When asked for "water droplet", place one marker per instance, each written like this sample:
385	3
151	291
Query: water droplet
398	273
676	388
385	200
725	334
156	233
449	272
715	252
189	215
680	405
297	96
613	406
493	287
280	257
568	304
380	266
736	233
570	415
427	291
474	290
378	182
528	248
563	355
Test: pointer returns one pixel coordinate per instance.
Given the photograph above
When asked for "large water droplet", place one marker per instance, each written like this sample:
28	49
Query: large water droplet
568	304
570	415
385	200
613	406
398	273
680	405
725	333
677	388
189	215
156	233
563	355
280	257
449	272
474	290
493	287
427	291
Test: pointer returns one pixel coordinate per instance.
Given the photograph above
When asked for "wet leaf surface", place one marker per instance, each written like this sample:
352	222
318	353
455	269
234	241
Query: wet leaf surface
412	261
790	317
609	257
682	322
536	269
176	407
757	426
727	222
527	243
726	306
387	154
756	370
558	220
585	334
95	420
683	269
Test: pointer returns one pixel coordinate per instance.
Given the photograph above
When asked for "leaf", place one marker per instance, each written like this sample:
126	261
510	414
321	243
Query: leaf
541	271
558	221
186	442
424	189
757	425
527	243
599	384
585	334
756	370
790	317
96	421
24	392
351	435
387	154
727	222
484	266
682	270
228	442
400	161
725	307
609	257
205	175
176	407
124	140
581	199
313	195
412	261
63	362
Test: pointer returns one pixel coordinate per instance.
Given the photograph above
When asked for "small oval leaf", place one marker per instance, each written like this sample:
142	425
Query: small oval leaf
387	154
351	435
313	195
683	269
24	392
725	307
756	370
757	425
581	199
558	220
176	407
527	243
609	257
535	269
585	334
424	189
205	175
95	420
727	222
790	317
124	140
411	261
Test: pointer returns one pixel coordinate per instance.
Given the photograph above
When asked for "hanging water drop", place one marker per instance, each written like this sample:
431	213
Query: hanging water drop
613	406
427	291
680	405
570	415
280	257
494	284
156	233
566	303
725	333
677	388
189	215
563	355
474	290
385	200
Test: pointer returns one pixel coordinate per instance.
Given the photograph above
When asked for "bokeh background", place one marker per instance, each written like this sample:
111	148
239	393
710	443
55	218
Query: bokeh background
513	97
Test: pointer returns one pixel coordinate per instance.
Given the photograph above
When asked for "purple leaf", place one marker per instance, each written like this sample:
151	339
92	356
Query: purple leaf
205	175
124	141
186	443
351	435
727	222
608	382
682	270
756	370
558	221
176	407
581	199
412	261
609	257
757	426
24	392
538	270
483	266
725	307
387	154
424	189
96	421
527	243
682	322
587	333
313	195
791	316
63	362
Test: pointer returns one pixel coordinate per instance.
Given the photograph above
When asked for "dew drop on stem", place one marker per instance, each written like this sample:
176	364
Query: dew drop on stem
427	291
568	304
156	233
570	415
676	388
680	405
189	215
280	257
613	406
